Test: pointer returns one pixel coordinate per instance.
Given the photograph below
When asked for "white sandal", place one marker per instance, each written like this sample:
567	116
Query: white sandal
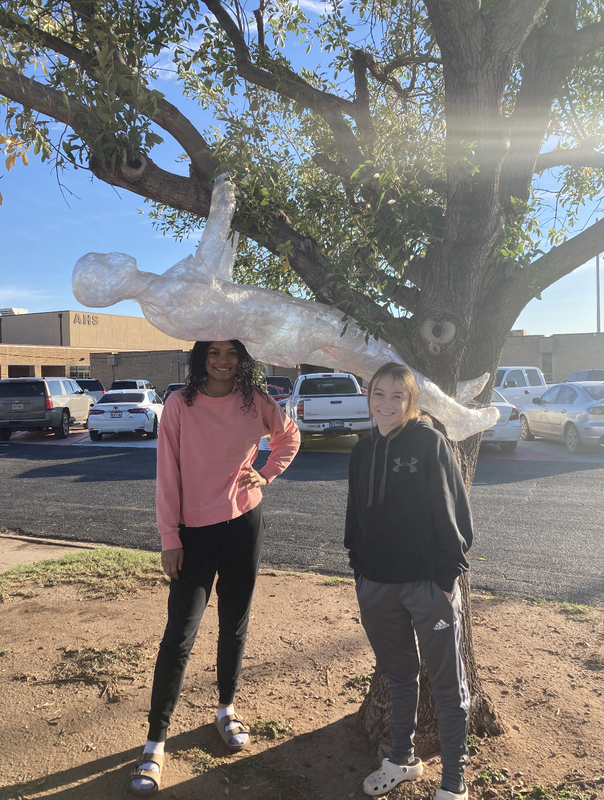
390	775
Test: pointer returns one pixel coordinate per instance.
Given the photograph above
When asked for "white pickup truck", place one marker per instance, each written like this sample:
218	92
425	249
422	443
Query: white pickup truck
328	404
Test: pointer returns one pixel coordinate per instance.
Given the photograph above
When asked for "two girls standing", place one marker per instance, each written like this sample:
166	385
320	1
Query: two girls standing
408	527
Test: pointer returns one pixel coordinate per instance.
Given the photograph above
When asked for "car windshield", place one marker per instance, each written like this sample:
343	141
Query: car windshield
275	390
595	375
90	384
282	381
122	397
330	385
25	389
124	385
497	398
595	392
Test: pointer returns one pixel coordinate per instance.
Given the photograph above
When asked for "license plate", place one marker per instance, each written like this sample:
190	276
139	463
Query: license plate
488	434
17	406
336	423
116	415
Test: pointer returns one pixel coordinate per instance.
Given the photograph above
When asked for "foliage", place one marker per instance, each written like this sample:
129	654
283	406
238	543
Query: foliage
561	792
366	177
490	775
270	729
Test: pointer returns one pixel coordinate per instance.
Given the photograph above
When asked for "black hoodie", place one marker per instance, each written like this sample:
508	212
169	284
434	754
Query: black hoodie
408	517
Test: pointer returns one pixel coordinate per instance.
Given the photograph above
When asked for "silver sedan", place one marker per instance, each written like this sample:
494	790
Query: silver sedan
569	412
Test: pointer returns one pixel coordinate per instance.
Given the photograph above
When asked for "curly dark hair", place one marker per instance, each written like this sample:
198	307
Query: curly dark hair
248	377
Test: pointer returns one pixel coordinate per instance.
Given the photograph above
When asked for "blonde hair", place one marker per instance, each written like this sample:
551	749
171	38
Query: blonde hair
398	372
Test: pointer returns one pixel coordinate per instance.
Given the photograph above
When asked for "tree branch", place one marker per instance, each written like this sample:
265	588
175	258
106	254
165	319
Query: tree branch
167	116
339	169
549	54
359	65
579	157
566	257
591	38
383	74
511	21
35	95
329	106
291	86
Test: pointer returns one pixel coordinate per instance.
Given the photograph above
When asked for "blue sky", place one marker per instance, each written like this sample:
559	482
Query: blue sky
43	232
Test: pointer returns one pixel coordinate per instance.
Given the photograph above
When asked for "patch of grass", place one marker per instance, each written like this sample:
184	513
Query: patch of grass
474	744
332	580
5	652
561	792
104	572
201	760
490	775
359	680
270	729
104	667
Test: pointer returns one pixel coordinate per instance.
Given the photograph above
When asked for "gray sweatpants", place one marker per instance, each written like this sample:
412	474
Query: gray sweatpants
396	617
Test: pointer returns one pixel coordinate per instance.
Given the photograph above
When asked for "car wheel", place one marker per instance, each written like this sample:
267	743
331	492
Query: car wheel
572	440
526	434
5	434
508	447
95	436
62	430
153	434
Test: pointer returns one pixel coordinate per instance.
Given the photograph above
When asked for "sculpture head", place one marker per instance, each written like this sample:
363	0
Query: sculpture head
102	279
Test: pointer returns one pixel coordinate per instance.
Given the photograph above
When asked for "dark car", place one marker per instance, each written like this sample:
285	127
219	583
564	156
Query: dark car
586	375
279	387
91	385
131	384
173	387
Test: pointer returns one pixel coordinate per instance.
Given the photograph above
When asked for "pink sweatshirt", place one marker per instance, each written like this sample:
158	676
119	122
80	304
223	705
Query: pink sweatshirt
201	451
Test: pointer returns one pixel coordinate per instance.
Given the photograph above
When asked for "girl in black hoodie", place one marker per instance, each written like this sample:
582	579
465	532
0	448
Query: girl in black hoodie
408	528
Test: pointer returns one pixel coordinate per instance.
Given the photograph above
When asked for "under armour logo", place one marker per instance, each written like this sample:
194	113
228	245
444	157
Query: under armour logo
411	464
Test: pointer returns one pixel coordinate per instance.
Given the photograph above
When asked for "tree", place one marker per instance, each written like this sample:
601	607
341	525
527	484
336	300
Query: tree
396	182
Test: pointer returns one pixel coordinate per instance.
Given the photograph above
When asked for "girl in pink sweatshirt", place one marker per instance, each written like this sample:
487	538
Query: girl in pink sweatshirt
209	515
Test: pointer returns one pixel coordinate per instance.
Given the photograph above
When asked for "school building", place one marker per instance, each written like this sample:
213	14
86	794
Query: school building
108	346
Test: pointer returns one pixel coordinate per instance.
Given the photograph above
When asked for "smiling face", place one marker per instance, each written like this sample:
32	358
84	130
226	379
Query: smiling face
222	361
388	403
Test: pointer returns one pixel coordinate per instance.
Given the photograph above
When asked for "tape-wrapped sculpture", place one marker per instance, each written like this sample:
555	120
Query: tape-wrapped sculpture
196	300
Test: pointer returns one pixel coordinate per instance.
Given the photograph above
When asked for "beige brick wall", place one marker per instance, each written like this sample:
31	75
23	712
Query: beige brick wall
571	351
521	351
32	361
83	329
160	367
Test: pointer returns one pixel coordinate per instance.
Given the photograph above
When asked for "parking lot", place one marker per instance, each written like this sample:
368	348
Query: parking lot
538	450
537	511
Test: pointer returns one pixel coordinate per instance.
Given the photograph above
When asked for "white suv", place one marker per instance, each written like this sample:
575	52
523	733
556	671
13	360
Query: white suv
520	384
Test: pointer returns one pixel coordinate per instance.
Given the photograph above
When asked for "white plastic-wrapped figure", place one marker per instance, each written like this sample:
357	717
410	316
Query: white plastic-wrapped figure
196	300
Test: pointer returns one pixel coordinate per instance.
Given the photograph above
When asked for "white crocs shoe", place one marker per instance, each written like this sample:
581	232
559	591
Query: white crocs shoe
445	794
390	775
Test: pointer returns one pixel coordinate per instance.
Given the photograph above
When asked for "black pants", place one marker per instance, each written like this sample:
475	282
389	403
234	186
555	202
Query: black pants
231	549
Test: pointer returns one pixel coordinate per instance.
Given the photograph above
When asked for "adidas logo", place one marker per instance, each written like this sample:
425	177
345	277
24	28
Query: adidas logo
441	625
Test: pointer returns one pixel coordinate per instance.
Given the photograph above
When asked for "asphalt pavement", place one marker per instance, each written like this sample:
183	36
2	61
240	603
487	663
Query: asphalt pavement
538	512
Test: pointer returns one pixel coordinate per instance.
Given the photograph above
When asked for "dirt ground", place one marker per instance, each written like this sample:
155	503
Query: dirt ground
75	682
